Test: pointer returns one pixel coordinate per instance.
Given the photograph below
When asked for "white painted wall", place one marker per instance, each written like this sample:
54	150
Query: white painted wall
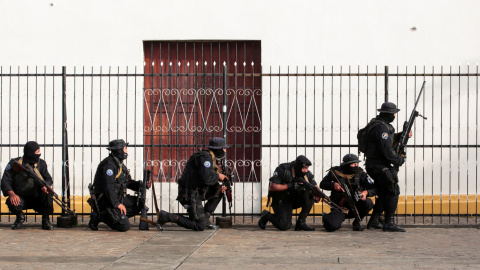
110	33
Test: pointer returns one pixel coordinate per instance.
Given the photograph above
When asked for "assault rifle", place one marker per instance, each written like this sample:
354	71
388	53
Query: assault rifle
351	200
17	167
318	193
227	171
142	199
407	126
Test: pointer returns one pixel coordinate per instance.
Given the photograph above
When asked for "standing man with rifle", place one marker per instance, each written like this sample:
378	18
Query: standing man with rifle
289	192
383	163
24	192
200	181
109	200
350	187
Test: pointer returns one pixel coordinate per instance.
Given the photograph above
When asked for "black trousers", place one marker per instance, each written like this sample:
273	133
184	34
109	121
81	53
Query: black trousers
41	203
123	224
333	220
282	217
197	220
386	186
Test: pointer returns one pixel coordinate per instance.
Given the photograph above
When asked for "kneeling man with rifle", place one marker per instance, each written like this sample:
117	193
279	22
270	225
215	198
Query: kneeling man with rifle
23	190
291	187
350	187
109	200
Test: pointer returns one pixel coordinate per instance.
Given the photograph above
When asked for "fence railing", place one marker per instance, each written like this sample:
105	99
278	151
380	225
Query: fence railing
269	119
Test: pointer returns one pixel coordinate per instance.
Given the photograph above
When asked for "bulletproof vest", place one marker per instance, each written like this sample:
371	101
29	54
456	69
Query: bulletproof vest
373	152
122	177
25	186
190	176
287	177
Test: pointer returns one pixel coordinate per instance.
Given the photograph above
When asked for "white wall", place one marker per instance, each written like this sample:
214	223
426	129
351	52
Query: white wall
110	33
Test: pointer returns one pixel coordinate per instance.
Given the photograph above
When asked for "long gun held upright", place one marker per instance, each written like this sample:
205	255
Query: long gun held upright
348	196
407	126
17	167
142	199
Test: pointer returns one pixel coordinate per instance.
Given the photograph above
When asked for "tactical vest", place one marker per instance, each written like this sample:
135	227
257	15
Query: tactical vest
25	187
189	175
122	178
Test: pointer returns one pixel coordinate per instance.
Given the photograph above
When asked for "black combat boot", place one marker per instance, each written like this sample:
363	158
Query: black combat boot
390	226
264	218
302	226
94	220
46	225
374	221
356	226
209	225
18	221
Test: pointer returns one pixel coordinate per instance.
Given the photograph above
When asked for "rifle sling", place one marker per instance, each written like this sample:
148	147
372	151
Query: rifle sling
35	170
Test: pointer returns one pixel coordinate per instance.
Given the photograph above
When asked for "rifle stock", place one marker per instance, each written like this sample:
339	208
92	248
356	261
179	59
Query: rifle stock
17	167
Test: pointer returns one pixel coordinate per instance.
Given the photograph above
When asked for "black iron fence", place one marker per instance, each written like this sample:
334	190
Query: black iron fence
268	118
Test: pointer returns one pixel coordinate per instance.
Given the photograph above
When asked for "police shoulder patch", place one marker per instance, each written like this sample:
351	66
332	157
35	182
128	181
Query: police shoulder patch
275	173
8	167
385	135
109	172
207	164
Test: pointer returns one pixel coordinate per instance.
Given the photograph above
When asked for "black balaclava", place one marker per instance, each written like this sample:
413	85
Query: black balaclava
29	150
219	153
298	165
388	117
348	169
120	154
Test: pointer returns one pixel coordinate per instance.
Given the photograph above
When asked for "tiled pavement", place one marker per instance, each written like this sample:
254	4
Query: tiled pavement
242	247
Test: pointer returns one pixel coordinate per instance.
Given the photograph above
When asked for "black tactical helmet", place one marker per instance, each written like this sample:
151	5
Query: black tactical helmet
116	144
388	107
217	143
349	159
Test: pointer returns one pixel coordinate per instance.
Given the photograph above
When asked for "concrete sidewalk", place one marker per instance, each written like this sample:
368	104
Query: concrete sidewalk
242	247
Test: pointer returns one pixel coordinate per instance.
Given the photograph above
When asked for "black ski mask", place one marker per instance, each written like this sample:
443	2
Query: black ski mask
29	152
120	154
298	165
388	117
219	153
347	169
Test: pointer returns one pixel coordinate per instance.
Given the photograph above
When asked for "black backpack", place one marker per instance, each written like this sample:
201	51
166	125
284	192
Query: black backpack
362	135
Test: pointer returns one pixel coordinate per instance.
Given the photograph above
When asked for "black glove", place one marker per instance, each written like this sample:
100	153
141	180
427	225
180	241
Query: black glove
293	186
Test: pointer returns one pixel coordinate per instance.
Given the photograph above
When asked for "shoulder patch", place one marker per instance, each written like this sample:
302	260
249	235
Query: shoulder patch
8	167
275	173
385	135
109	172
369	180
207	164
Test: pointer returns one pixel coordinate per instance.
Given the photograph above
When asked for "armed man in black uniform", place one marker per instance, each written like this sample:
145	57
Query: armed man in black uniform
383	164
110	188
25	193
200	181
351	176
288	194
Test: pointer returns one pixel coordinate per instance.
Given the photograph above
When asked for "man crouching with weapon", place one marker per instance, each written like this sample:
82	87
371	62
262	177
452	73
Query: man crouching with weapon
200	178
291	187
109	200
27	183
350	187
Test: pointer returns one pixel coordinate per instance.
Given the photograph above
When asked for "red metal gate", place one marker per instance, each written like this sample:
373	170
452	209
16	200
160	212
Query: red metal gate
185	86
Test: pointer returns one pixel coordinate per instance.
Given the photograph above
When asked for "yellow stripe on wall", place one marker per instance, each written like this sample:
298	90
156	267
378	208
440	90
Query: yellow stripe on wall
419	205
422	204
